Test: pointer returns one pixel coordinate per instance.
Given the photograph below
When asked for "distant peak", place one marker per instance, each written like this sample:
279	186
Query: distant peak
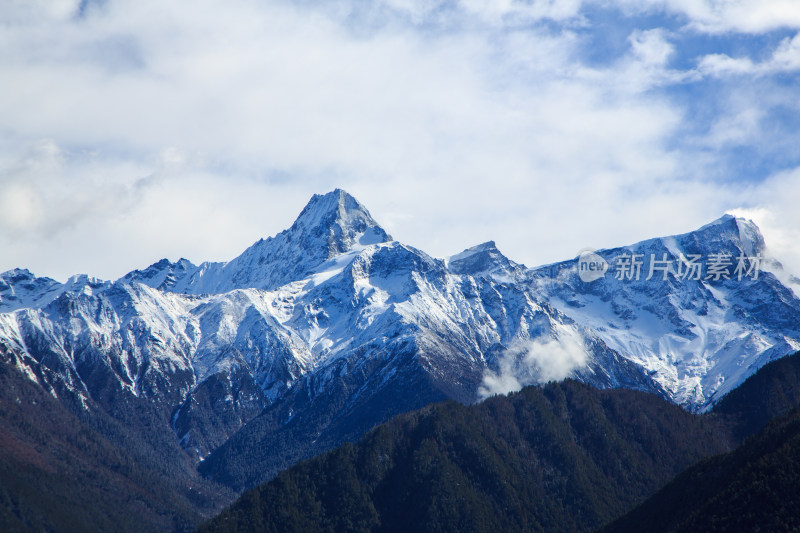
747	230
732	221
482	259
724	219
18	273
488	246
728	234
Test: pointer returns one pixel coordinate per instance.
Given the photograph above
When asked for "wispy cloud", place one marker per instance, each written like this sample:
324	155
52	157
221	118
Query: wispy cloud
527	362
722	16
785	58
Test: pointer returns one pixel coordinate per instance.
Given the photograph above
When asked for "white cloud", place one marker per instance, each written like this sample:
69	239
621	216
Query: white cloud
787	55
651	46
709	16
722	16
785	58
739	127
184	128
721	64
522	12
536	361
749	16
646	66
21	11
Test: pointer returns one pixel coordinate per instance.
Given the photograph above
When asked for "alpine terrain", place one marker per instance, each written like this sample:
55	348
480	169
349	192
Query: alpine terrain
313	336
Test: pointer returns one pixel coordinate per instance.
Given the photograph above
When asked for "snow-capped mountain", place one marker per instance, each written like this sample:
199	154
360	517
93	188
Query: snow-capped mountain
697	329
330	225
314	335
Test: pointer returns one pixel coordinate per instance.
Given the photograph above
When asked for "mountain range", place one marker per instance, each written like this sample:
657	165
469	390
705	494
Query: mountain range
313	336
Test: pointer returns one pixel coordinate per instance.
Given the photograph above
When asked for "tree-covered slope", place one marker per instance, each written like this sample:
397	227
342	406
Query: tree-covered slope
564	457
77	472
754	488
772	391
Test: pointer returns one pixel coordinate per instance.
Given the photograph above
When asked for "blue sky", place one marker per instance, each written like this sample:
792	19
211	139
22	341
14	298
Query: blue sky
135	130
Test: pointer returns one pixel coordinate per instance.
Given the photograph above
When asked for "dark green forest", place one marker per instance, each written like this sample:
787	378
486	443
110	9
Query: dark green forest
563	457
754	488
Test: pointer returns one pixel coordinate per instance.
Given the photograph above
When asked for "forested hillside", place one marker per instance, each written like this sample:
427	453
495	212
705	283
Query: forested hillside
61	472
754	488
564	457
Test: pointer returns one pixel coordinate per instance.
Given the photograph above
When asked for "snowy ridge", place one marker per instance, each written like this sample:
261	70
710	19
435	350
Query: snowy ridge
699	339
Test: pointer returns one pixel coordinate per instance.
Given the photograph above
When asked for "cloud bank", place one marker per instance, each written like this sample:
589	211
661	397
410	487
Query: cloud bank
135	130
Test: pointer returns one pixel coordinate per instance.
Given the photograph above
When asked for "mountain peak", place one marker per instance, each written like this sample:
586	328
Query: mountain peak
483	260
337	203
341	220
329	225
484	246
740	232
727	218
